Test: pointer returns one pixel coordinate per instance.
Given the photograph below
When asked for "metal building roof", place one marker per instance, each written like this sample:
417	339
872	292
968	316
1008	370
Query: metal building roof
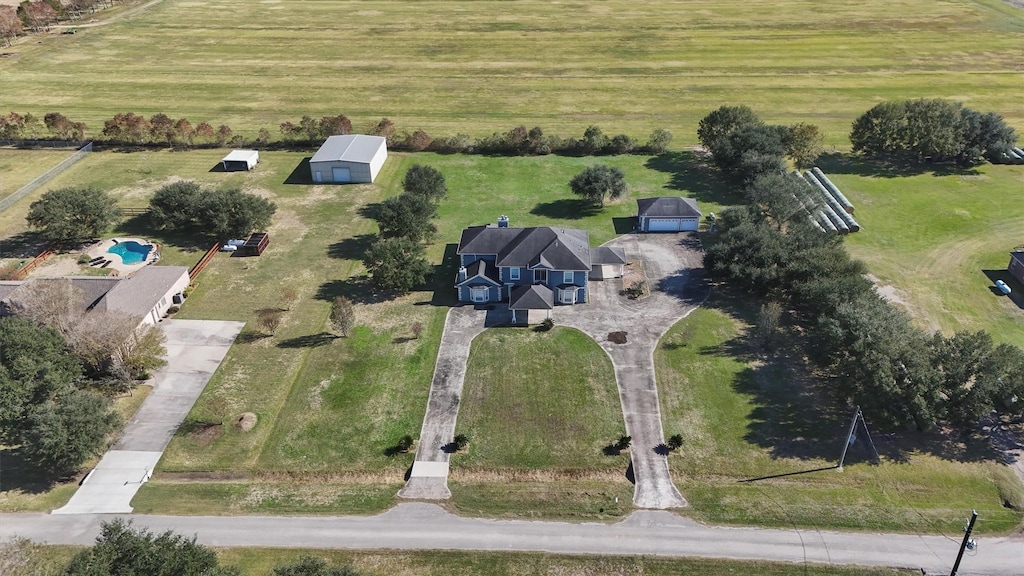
241	156
349	148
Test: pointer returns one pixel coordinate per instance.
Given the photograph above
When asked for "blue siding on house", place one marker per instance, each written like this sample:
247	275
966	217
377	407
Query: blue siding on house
493	293
556	278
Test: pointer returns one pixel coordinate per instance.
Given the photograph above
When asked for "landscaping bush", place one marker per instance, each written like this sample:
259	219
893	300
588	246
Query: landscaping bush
460	442
675	442
623	442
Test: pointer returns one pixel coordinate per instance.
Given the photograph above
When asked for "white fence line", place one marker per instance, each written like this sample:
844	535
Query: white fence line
44	177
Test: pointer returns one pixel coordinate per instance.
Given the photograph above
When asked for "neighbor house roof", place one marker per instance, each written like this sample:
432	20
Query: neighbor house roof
91	288
240	156
1018	256
349	148
605	255
531	297
7	287
544	246
137	294
668	207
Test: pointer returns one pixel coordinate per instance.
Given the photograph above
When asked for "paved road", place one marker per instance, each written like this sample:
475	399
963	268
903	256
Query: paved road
428	479
195	349
674	270
421	526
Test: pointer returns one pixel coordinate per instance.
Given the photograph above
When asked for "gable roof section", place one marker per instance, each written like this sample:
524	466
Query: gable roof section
349	148
667	207
91	288
241	156
605	255
137	294
544	246
479	270
531	297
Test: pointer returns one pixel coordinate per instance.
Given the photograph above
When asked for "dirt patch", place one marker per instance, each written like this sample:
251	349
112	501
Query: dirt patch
222	476
634	280
246	422
617	337
206	433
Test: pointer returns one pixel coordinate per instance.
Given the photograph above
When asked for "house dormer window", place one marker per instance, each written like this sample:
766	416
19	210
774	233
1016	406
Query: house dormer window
513	273
540	276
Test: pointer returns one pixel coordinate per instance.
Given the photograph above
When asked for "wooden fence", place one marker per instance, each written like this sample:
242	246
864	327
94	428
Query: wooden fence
194	272
24	271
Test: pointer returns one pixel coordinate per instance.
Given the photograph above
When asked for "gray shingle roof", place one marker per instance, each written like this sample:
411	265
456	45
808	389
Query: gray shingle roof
90	288
553	248
137	294
668	207
533	297
480	269
349	148
605	255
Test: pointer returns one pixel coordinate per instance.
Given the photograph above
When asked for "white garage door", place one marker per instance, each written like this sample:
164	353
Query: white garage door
341	174
688	224
663	225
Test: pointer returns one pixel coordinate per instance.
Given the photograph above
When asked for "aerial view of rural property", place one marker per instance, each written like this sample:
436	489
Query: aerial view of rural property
511	287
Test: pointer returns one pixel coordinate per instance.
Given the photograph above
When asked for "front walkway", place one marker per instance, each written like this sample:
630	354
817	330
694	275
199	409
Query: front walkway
429	476
195	348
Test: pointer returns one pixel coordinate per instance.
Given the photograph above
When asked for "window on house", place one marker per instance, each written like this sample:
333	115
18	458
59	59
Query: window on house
567	296
567	277
540	276
480	293
513	273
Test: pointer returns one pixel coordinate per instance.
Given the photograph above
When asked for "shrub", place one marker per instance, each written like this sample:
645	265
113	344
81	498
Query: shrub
675	442
624	442
404	443
460	441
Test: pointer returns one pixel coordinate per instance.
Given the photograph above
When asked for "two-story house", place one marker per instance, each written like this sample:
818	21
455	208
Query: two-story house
535	267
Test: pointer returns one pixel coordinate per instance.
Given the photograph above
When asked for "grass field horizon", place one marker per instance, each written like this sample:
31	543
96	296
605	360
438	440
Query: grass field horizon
479	67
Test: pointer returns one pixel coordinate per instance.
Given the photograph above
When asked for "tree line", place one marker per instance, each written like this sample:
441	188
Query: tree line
868	350
40	15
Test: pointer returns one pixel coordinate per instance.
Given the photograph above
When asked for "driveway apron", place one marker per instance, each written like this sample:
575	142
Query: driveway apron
428	478
195	348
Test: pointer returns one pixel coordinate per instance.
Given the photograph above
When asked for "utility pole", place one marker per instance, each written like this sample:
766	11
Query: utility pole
849	437
965	543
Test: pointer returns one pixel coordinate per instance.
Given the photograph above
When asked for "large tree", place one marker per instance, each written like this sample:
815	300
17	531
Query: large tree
407	215
122	550
64	431
425	181
52	303
397	264
715	128
599	182
222	214
69	215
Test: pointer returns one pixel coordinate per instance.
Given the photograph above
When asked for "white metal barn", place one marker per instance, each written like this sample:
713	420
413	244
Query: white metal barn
355	158
240	160
668	214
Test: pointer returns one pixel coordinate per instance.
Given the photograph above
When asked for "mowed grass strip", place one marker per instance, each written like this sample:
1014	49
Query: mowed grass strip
450	67
743	416
19	167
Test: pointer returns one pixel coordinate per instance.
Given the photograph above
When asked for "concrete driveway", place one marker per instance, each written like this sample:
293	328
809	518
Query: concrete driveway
195	348
673	266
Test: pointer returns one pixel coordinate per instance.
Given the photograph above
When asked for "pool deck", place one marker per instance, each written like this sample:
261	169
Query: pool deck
99	250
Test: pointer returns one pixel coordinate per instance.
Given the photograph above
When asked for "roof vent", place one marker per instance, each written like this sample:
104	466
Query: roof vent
502	221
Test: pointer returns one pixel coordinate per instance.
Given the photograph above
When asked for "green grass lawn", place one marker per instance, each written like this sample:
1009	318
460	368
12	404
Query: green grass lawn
745	416
538	408
44	560
941	240
477	67
19	167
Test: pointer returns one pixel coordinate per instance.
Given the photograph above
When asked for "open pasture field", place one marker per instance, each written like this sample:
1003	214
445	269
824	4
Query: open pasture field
477	67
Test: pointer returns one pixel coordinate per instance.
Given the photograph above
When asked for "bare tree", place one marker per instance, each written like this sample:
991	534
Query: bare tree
268	319
141	353
343	316
50	303
288	297
97	337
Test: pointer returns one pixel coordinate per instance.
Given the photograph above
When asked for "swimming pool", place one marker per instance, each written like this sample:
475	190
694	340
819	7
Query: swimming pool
130	251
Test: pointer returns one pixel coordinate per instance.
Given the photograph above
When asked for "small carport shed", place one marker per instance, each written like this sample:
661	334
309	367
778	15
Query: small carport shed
240	160
667	214
353	158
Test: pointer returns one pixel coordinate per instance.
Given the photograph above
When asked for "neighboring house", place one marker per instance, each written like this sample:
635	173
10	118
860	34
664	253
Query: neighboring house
531	268
355	158
147	294
239	160
667	214
1016	267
